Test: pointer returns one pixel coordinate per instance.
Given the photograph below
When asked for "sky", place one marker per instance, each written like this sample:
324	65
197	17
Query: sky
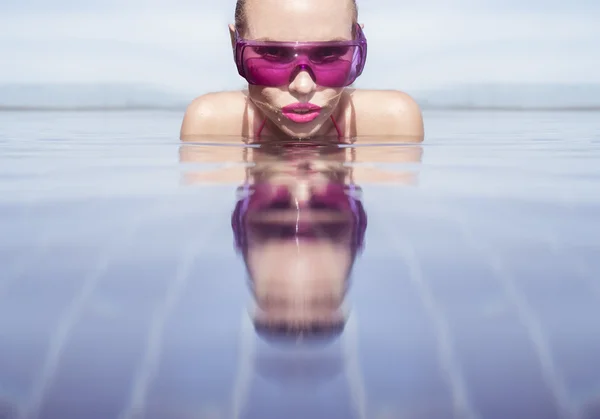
183	45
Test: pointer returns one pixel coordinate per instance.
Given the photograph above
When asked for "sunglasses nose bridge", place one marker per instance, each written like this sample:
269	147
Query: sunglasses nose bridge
299	69
302	65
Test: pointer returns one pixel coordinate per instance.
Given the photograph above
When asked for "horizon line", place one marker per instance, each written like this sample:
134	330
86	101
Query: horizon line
175	108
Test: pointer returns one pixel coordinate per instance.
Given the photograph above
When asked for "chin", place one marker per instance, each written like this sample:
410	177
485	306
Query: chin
302	132
301	135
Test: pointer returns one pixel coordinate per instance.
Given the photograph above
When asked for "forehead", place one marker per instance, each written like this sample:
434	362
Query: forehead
299	20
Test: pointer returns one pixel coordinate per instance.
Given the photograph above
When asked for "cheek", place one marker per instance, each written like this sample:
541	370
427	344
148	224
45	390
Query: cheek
260	94
330	96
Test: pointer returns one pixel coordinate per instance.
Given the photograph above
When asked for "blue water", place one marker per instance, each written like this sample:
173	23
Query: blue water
476	295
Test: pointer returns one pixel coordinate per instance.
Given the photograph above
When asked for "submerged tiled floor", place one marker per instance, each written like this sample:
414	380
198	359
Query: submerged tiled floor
477	295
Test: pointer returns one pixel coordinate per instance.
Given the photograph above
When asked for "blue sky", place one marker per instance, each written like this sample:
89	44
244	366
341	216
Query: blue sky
183	44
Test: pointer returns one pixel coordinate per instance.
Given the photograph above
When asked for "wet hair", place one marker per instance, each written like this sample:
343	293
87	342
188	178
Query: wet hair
286	332
240	15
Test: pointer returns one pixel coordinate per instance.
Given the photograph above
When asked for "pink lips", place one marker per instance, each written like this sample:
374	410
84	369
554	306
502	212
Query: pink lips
301	113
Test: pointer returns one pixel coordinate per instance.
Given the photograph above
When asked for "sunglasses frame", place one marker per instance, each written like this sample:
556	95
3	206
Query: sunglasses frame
360	42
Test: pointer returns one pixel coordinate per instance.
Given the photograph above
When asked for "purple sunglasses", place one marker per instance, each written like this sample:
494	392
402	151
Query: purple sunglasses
274	64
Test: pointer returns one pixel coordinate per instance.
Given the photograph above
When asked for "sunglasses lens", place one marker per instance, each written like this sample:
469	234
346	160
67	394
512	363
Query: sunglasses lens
330	66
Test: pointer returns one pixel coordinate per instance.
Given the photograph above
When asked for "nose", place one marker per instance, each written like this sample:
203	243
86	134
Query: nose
302	83
301	194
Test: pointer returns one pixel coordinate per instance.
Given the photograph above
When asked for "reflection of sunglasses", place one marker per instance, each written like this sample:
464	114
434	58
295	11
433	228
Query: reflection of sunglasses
339	196
274	64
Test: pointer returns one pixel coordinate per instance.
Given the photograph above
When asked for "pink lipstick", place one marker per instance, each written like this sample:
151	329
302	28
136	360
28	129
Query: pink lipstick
301	113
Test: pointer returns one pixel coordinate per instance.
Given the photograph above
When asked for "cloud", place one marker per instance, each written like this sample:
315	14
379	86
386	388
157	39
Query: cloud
115	7
180	51
398	7
422	49
394	7
184	44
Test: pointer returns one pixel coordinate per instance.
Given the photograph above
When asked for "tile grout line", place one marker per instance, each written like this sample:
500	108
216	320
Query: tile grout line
353	368
151	357
446	355
21	266
69	318
529	321
245	367
461	402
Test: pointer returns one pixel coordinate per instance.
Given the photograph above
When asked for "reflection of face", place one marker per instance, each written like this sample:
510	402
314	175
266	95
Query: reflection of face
330	162
303	174
299	252
305	20
299	246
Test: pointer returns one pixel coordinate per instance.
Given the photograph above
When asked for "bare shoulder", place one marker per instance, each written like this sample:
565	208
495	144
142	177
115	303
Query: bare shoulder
219	113
387	112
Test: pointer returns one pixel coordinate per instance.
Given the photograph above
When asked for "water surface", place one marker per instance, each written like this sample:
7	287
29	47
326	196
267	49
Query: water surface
474	293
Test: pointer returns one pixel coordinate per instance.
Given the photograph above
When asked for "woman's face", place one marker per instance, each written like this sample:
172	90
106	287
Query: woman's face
302	21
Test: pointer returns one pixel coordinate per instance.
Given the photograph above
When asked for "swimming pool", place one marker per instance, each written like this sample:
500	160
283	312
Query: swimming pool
476	294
